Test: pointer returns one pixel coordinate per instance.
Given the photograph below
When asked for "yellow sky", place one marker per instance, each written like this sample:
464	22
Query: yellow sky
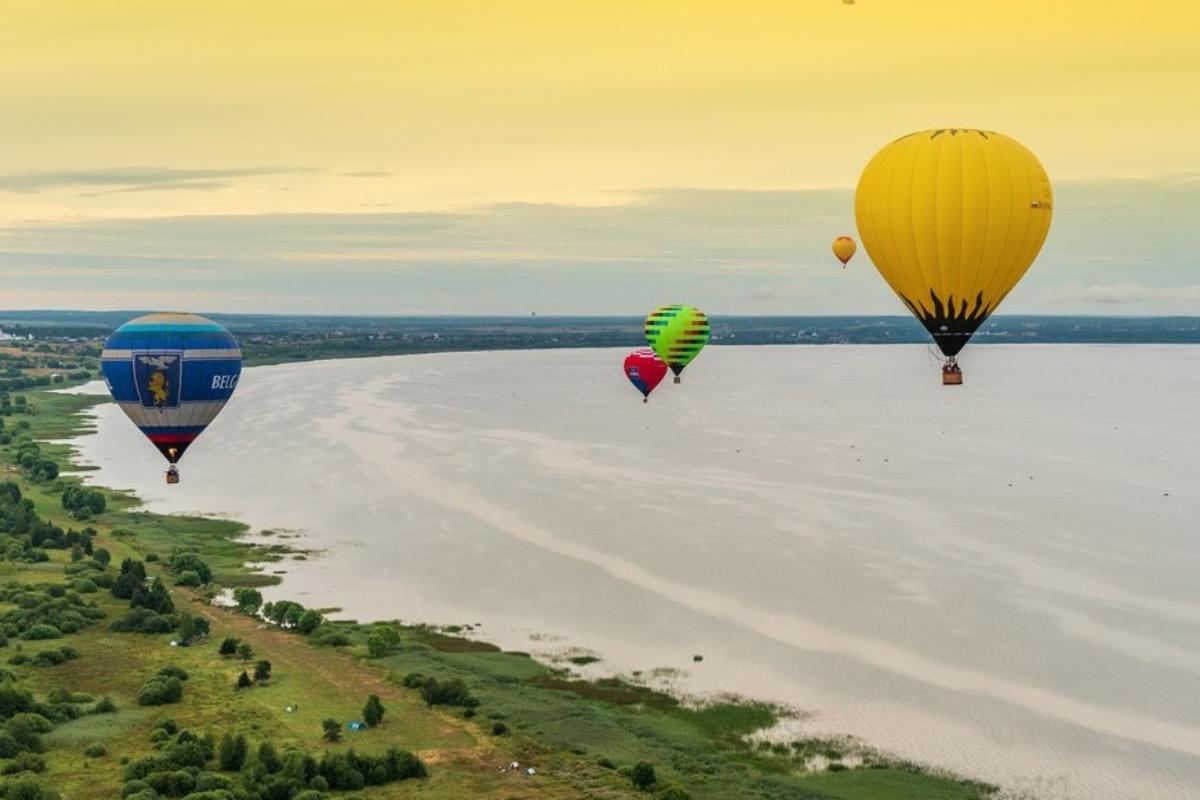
450	103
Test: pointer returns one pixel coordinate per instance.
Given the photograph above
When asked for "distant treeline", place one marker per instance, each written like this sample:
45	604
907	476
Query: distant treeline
271	338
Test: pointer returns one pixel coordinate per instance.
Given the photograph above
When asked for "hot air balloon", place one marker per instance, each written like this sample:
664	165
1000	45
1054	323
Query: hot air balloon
844	248
171	374
677	334
645	370
952	218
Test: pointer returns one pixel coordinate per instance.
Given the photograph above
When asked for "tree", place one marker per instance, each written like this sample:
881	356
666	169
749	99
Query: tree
243	681
156	598
231	755
262	671
333	730
102	556
245	651
131	576
310	620
248	600
268	759
229	646
192	628
643	776
373	711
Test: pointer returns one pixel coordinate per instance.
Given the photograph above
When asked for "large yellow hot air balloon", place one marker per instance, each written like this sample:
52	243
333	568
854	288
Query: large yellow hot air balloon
952	218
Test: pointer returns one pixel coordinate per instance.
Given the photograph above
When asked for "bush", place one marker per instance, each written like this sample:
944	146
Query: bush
447	693
41	631
413	680
673	793
105	706
642	777
189	578
95	750
607	763
160	690
26	729
9	746
229	646
143	620
25	762
173	671
499	729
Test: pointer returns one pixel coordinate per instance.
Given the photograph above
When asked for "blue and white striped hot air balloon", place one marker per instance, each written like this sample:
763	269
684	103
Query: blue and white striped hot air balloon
171	374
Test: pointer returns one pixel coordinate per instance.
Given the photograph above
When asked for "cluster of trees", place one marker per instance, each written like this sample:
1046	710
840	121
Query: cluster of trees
187	765
452	692
34	465
151	609
284	613
188	568
24	536
82	502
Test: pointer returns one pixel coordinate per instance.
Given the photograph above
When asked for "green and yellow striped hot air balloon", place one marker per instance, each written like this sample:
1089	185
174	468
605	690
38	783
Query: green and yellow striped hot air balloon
678	334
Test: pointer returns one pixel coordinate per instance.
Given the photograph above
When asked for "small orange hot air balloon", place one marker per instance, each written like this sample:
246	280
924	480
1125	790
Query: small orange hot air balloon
844	248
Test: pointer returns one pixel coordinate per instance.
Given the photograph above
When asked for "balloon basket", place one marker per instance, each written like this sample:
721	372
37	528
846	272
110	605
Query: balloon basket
678	380
172	475
952	378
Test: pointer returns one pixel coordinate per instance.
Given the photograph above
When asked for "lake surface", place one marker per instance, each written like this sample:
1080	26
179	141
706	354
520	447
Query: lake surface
1000	578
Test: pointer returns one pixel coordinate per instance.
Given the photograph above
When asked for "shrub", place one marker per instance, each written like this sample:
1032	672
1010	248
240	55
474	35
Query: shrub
95	750
143	620
188	578
673	793
642	777
41	631
25	762
160	690
9	746
229	646
499	729
105	706
447	693
173	671
26	729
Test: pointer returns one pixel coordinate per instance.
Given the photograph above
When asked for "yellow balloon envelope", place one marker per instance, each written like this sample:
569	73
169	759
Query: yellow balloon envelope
844	248
952	219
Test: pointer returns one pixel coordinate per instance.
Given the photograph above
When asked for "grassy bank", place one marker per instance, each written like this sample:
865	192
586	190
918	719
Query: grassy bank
463	708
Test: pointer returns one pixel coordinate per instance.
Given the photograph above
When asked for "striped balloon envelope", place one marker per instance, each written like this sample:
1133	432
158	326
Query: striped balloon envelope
677	333
171	374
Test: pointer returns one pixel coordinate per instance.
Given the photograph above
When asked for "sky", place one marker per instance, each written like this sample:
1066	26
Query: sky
594	157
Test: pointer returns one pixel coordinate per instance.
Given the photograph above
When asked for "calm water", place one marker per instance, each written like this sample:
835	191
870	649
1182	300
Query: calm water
1000	578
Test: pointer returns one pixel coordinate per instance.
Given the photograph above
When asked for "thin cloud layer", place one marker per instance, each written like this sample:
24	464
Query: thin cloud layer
136	179
1125	246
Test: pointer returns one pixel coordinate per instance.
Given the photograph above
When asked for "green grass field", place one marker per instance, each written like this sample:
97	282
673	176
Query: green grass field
582	736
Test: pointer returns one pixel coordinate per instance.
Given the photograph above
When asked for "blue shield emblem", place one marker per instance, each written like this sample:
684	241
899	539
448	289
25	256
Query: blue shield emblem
158	377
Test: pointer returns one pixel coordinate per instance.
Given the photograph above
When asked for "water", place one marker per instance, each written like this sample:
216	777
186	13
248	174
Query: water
1000	578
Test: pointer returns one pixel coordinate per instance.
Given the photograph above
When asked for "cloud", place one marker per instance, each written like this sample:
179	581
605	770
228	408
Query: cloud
1121	246
136	179
1125	294
376	173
